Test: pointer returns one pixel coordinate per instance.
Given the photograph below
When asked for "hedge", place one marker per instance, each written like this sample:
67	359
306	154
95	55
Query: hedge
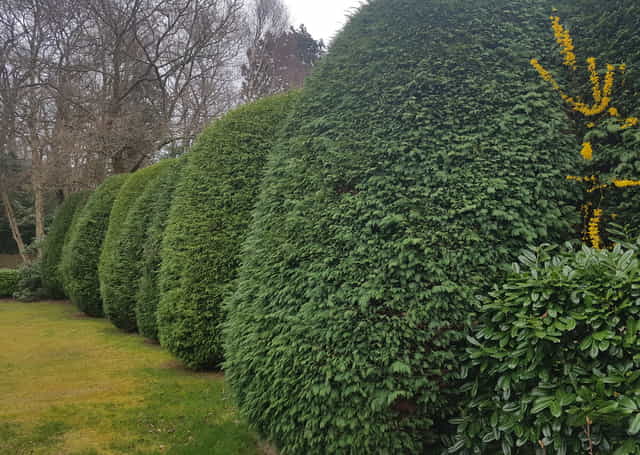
424	153
9	282
155	203
57	236
119	268
80	259
207	223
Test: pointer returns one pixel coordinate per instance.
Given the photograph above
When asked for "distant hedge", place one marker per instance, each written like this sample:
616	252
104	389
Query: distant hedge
55	240
207	224
119	267
9	282
80	259
154	203
424	153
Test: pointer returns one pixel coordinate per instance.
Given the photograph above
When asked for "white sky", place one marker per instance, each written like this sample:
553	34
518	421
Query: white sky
323	18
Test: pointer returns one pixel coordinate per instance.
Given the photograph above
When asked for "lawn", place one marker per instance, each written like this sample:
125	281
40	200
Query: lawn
74	385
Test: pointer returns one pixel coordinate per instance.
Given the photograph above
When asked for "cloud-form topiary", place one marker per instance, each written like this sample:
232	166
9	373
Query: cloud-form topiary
57	236
79	264
119	267
209	215
155	202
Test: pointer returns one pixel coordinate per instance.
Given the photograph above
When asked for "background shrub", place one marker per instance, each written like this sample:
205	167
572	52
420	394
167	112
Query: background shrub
207	223
425	152
80	259
155	202
557	346
8	282
119	269
55	240
30	286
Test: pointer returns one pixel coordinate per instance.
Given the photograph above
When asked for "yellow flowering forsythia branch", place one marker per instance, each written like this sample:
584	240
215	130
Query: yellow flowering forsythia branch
601	93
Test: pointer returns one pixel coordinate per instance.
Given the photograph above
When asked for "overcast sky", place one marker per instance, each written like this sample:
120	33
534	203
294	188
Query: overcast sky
323	18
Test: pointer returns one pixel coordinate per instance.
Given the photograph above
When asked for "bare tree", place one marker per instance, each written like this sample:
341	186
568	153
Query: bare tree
278	57
93	87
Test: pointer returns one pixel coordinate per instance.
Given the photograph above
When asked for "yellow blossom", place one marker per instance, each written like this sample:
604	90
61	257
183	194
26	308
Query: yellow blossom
587	151
597	187
563	38
613	112
595	79
582	179
593	229
591	125
630	122
625	183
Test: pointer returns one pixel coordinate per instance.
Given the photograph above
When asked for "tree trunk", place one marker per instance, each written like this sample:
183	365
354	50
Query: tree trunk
13	222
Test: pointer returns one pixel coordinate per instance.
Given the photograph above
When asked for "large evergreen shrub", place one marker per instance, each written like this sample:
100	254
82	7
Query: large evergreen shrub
55	240
207	223
119	268
80	259
155	202
555	360
425	152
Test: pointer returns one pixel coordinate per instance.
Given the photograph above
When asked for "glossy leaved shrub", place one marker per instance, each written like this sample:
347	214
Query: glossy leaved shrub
209	216
57	236
424	152
154	204
81	255
119	266
555	359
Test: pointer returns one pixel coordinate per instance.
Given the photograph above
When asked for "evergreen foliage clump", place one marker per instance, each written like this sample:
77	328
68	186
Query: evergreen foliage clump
81	255
209	216
9	282
119	268
155	202
55	240
424	152
555	360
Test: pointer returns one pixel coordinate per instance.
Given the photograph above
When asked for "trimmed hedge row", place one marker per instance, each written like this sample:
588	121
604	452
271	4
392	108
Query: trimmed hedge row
119	266
56	239
80	258
154	204
424	153
207	223
9	282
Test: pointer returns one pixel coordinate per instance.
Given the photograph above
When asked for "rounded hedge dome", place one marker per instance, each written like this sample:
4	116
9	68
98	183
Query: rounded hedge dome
57	236
156	203
207	223
80	259
119	267
424	153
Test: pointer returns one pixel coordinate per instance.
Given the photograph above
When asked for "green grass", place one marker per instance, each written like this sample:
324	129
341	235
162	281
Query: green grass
76	386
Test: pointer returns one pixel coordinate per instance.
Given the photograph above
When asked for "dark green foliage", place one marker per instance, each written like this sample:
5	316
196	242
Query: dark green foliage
207	223
119	268
8	282
81	255
155	202
556	345
30	287
425	152
54	243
